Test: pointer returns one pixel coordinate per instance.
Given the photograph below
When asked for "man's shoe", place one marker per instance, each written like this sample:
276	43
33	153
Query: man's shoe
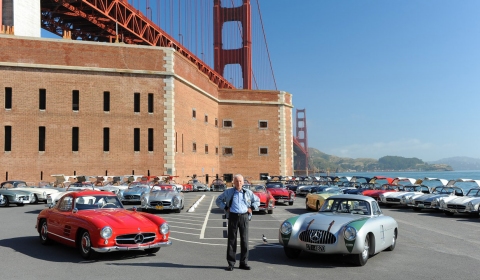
245	266
229	268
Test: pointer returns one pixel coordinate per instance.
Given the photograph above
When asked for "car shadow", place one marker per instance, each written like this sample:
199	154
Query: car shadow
56	252
34	211
298	211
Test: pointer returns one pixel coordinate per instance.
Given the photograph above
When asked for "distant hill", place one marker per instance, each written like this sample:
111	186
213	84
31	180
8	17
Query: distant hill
324	162
460	163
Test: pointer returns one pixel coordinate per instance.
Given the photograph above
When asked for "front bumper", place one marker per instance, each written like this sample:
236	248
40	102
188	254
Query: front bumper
132	248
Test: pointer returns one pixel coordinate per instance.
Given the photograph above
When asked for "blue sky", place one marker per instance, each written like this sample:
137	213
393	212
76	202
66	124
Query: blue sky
380	77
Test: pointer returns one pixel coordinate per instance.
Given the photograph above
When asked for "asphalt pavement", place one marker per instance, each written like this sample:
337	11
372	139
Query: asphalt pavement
430	246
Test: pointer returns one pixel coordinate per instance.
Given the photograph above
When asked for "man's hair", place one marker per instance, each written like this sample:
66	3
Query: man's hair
237	176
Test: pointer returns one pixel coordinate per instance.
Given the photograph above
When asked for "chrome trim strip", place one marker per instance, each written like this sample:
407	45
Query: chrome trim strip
130	248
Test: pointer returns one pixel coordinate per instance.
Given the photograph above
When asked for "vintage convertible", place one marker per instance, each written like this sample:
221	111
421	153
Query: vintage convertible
20	198
315	200
400	198
163	197
133	193
218	185
280	193
267	202
431	201
39	193
96	222
346	224
458	204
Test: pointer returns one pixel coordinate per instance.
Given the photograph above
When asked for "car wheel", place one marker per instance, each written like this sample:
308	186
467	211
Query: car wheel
388	205
20	204
448	213
85	246
152	250
179	209
5	202
270	211
317	207
35	199
362	258
43	233
290	203
394	241
416	209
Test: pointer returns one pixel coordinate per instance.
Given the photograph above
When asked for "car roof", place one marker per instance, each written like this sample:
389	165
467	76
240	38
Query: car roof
352	196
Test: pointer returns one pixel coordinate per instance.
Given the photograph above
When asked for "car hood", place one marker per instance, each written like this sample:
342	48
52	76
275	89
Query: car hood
400	194
275	191
118	219
262	196
162	195
430	197
461	200
323	221
135	191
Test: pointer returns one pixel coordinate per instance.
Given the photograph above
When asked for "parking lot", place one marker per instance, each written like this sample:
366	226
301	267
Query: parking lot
430	246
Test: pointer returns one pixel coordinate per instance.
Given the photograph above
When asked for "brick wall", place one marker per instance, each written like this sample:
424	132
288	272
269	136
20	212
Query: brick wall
61	66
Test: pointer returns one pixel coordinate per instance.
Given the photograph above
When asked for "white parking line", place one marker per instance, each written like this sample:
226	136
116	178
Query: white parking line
186	228
202	232
170	222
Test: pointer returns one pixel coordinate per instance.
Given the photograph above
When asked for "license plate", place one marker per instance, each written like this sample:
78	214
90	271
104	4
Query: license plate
159	207
316	248
281	201
421	205
453	210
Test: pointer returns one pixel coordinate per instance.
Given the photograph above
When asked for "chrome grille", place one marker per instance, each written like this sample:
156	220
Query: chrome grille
159	203
456	206
393	199
135	238
318	237
132	197
277	197
425	203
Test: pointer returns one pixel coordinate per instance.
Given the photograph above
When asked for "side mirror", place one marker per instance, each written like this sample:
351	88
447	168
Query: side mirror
75	210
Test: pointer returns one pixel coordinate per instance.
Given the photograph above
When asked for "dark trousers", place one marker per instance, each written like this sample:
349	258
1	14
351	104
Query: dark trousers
237	222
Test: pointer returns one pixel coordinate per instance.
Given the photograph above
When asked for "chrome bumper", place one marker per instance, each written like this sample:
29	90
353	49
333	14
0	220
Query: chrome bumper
136	248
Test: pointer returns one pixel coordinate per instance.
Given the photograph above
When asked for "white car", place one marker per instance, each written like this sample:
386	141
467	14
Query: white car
456	204
400	198
40	193
53	198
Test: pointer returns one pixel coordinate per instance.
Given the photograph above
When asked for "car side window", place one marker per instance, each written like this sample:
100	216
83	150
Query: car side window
376	208
66	204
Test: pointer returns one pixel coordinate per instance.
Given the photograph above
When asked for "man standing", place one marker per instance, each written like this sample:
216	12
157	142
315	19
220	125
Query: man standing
238	204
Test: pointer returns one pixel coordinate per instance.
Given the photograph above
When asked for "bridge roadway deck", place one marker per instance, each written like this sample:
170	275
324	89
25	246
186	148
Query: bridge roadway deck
430	246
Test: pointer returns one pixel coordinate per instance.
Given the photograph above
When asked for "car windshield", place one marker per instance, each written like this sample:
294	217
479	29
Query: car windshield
138	186
327	190
409	189
256	188
158	188
474	192
218	182
97	202
275	185
343	205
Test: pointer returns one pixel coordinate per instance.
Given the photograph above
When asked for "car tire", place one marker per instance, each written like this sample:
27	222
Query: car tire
20	204
35	199
394	241
5	203
85	245
179	209
362	258
152	250
290	203
448	213
270	211
416	209
291	253
317	207
43	233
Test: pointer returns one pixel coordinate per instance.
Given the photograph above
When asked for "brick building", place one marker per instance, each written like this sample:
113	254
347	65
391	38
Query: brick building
88	108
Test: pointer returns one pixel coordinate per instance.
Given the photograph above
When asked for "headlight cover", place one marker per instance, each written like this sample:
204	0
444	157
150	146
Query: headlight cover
176	201
350	233
164	228
106	232
286	228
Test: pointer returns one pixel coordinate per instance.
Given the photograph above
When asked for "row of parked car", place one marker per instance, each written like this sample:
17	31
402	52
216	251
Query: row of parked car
446	196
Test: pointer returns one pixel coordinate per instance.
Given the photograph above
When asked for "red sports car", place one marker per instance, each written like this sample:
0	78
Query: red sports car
375	194
267	202
280	193
96	222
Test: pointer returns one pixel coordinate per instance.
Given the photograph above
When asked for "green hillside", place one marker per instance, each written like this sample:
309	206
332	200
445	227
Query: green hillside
322	162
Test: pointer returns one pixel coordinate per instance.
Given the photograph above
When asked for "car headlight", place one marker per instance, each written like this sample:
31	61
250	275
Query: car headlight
106	232
443	204
286	228
44	194
270	203
144	201
382	197
350	233
175	201
164	228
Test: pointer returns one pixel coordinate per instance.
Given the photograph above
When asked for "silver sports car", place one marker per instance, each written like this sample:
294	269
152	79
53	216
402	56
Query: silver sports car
346	224
163	197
